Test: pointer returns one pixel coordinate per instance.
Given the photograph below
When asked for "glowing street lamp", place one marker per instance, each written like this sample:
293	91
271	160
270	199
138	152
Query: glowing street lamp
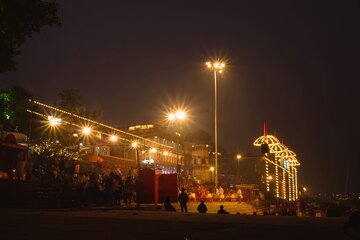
113	138
53	121
86	130
171	117
216	67
180	115
134	144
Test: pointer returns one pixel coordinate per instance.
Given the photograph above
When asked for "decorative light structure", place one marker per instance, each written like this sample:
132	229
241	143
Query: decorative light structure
284	159
274	146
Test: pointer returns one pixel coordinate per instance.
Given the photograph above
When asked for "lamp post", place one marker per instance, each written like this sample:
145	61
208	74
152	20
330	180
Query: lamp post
134	145
216	67
212	173
238	157
177	117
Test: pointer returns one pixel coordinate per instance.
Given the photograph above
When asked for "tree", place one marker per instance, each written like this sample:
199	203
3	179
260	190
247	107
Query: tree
13	105
18	20
49	149
53	156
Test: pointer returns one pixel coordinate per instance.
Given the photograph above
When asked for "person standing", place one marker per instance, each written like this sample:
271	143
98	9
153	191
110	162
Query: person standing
239	195
183	199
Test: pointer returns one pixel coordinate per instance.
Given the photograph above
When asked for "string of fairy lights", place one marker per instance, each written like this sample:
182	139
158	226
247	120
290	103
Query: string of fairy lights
133	139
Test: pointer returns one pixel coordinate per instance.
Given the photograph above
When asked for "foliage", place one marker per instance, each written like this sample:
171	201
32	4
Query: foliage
18	20
13	105
49	149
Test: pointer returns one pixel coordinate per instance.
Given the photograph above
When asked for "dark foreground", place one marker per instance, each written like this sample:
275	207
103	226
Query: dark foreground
121	224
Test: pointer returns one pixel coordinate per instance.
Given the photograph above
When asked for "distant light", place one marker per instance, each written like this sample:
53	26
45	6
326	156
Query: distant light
211	169
81	144
216	65
54	121
270	177
57	141
86	130
75	135
152	150
238	157
304	189
166	153
113	138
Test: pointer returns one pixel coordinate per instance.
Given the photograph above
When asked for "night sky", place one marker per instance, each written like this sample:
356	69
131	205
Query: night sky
293	64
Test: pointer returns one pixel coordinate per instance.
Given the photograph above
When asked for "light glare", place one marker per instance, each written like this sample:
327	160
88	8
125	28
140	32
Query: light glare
181	115
54	121
113	138
171	116
86	130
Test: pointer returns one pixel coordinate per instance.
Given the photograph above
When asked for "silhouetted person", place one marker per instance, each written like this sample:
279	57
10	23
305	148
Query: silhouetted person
222	211
183	199
202	207
168	206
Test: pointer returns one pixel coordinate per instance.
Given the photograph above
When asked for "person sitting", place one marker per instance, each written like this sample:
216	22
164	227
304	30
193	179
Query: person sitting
167	205
202	207
222	211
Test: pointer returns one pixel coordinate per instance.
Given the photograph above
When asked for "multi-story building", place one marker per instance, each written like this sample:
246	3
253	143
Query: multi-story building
200	165
165	150
192	159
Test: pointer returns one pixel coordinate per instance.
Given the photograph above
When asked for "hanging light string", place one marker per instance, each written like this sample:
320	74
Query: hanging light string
97	123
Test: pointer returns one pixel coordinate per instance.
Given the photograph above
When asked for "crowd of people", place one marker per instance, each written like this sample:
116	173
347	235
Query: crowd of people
109	189
209	193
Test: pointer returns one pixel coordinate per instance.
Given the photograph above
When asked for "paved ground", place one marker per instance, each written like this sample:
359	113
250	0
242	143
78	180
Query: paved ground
131	224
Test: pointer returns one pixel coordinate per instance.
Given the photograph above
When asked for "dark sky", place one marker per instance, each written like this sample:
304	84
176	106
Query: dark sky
292	63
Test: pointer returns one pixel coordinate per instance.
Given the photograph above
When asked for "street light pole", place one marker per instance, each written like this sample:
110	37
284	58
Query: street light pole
176	118
215	132
177	154
216	67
